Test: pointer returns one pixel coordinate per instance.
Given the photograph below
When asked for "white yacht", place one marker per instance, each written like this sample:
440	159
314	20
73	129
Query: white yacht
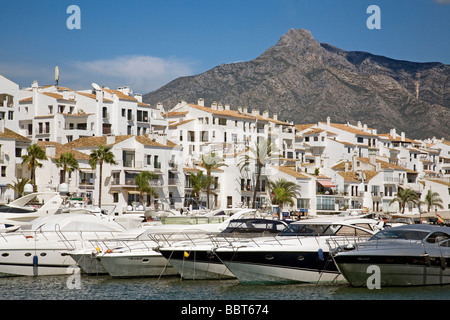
42	250
194	258
139	257
22	211
409	255
298	254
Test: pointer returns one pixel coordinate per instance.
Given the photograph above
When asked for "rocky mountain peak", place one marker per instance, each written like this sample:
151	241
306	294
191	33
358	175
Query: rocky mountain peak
305	81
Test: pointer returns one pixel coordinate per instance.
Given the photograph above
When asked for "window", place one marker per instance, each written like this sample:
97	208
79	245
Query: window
10	115
325	203
360	139
18	152
128	158
437	237
86	178
3	171
157	164
303	203
116	197
191	136
115	178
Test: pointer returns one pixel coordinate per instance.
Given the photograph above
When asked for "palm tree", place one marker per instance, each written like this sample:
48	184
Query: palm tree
19	186
282	192
405	196
101	155
262	153
68	163
433	199
34	153
142	182
198	183
211	162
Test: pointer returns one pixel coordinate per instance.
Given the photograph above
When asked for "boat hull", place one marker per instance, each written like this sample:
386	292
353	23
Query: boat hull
124	265
197	264
34	263
280	267
398	271
88	263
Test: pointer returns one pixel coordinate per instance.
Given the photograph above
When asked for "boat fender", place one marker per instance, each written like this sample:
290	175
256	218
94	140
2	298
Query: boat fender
35	261
186	254
320	254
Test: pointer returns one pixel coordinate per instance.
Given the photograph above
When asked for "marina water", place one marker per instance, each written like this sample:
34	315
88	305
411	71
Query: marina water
104	287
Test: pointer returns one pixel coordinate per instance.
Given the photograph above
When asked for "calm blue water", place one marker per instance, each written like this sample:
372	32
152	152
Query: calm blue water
173	288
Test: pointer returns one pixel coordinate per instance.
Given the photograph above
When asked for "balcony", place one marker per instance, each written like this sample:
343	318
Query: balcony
393	180
42	131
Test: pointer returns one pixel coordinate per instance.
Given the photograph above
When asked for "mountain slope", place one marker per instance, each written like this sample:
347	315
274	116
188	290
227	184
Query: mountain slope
305	81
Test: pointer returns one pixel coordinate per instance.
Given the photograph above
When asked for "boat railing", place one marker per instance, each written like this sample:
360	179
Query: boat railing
125	245
345	242
170	239
378	244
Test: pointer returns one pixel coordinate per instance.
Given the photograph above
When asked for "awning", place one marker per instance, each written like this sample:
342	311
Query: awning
327	183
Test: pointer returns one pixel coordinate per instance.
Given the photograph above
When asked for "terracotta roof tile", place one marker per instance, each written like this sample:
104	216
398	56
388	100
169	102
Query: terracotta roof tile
292	172
236	114
350	129
9	134
88	142
60	149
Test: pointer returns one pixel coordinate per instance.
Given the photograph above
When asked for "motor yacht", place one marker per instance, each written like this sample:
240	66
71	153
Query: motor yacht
139	257
42	250
22	211
194	259
409	255
138	238
298	254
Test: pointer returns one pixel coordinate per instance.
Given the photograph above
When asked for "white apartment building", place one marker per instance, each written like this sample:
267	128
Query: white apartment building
9	102
133	155
338	166
12	146
53	113
199	130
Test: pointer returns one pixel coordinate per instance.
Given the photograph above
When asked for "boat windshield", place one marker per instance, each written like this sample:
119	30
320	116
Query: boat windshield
400	234
255	225
8	209
309	229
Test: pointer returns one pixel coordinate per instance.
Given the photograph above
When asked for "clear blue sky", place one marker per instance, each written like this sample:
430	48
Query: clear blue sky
146	44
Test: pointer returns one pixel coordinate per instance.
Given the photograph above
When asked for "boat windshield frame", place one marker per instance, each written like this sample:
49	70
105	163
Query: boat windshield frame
325	229
400	234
